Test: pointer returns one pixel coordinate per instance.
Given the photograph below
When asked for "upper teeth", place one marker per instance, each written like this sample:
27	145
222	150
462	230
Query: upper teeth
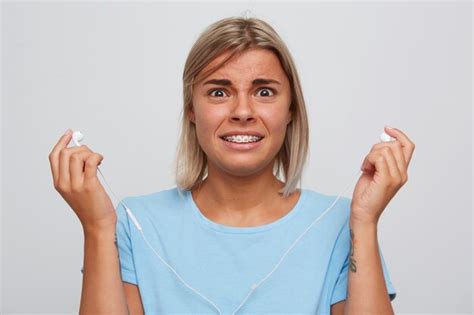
242	138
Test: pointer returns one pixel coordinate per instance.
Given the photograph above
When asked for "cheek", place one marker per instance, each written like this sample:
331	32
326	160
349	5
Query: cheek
208	122
276	122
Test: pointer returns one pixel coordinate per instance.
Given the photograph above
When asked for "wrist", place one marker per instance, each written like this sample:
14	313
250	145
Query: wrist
361	223
359	218
99	232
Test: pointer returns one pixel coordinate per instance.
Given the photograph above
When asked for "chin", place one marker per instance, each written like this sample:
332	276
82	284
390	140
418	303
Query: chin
244	168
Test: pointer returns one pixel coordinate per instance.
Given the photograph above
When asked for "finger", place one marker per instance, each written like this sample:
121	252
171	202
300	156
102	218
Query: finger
64	179
378	162
396	148
376	147
54	155
76	168
91	164
407	145
400	158
367	166
392	165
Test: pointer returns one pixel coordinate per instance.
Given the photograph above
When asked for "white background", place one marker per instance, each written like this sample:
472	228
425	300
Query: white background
114	71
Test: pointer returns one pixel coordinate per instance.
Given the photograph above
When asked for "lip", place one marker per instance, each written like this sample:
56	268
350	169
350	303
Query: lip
242	146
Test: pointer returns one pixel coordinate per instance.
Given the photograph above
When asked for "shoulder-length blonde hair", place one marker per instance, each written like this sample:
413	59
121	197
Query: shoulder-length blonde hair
235	34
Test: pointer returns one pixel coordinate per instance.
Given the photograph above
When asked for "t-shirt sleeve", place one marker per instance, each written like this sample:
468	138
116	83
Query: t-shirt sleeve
124	245
340	289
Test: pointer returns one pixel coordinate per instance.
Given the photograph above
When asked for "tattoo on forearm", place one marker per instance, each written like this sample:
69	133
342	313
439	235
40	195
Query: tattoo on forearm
351	258
116	245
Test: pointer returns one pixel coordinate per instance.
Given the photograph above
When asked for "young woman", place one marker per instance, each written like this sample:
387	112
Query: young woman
227	226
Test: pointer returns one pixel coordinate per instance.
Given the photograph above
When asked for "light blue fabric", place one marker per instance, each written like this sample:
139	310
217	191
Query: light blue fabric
222	262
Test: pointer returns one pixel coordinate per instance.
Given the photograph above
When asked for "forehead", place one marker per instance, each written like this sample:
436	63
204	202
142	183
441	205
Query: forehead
248	64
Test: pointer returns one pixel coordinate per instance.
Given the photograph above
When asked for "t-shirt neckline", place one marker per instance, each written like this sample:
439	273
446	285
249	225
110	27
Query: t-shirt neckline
243	230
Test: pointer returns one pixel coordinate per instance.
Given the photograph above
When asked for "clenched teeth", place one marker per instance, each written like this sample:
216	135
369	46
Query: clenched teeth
242	138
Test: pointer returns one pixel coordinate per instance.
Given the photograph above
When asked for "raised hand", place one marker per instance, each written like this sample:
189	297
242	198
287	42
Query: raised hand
74	173
384	173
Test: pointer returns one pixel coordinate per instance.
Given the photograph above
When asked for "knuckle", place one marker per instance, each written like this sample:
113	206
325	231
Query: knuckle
90	162
387	184
75	156
63	188
76	188
89	187
405	178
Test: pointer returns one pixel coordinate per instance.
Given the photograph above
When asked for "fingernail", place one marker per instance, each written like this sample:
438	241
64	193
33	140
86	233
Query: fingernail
388	127
68	131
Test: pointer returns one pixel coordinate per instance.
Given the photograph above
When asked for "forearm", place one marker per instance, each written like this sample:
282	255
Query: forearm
102	287
367	291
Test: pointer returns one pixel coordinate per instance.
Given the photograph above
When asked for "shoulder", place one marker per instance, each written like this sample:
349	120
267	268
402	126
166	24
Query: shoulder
169	198
339	205
171	195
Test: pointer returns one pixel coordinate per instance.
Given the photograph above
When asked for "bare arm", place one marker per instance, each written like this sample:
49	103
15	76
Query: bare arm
338	308
133	298
74	173
102	288
367	291
384	173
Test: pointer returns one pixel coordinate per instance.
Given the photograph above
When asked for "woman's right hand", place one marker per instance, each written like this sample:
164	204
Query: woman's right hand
75	178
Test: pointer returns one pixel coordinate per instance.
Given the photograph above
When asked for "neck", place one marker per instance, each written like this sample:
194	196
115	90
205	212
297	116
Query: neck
239	197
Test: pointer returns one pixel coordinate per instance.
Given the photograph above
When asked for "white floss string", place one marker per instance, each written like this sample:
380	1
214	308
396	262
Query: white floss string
254	286
77	137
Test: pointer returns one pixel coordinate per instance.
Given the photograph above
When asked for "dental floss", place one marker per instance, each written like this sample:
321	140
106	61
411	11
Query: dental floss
77	137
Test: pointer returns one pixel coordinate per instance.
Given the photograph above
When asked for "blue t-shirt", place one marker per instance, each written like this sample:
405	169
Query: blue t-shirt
223	262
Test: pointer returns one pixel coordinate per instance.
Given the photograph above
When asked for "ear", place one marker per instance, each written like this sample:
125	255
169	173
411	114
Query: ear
289	117
192	117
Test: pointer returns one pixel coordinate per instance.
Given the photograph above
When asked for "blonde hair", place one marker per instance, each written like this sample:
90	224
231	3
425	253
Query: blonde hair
236	34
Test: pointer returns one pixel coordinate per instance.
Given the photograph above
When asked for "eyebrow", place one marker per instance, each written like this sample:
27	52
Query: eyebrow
228	82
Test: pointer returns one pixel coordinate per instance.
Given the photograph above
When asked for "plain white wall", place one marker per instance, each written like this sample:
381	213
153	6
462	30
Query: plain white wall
114	71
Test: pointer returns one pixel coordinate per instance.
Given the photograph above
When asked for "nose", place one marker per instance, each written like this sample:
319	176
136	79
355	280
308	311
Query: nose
243	109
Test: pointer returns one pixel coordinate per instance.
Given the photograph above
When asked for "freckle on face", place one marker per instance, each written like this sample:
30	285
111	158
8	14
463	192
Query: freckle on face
269	110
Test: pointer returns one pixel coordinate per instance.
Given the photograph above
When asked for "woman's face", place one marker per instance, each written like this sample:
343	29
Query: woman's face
249	94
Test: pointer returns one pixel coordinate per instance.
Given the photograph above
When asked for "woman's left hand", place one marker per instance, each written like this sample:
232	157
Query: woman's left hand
384	173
